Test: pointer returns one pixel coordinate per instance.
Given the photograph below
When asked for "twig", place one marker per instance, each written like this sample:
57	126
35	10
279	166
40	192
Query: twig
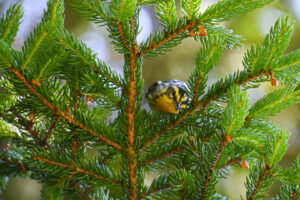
23	167
50	130
232	161
29	127
83	194
195	98
212	168
120	27
163	156
154	45
261	179
154	191
76	169
294	195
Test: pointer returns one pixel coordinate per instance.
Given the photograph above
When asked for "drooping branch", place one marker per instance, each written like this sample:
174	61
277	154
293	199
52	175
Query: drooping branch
190	26
24	168
75	169
57	111
154	191
163	156
261	179
212	168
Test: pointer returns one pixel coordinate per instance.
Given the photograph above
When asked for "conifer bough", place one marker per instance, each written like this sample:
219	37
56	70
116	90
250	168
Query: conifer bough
46	89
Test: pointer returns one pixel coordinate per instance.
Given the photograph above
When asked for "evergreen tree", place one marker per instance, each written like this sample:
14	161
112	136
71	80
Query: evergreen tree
47	87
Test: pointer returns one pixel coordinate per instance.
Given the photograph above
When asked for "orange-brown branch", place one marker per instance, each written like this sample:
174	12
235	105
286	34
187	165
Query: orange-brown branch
23	167
49	132
154	191
294	195
59	112
132	93
195	98
120	27
74	168
212	168
29	127
261	179
163	156
233	161
154	45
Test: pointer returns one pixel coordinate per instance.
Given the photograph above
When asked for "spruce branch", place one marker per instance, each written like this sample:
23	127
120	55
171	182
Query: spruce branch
85	54
29	126
191	8
51	22
71	93
95	11
10	23
120	27
75	169
224	142
274	103
24	168
226	9
262	177
175	151
57	111
175	36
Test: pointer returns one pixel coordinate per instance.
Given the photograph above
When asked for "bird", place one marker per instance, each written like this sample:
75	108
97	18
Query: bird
168	96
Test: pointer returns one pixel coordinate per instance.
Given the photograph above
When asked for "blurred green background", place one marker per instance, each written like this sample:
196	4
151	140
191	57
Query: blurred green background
174	65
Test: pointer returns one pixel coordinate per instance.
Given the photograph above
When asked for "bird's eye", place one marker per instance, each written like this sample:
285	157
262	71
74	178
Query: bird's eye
173	94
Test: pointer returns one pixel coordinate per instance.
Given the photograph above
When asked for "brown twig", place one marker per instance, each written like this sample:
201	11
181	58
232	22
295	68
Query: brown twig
120	27
50	130
82	193
154	191
212	168
261	179
29	127
154	45
195	98
195	149
23	167
76	169
294	195
75	147
65	178
232	161
163	156
63	114
182	191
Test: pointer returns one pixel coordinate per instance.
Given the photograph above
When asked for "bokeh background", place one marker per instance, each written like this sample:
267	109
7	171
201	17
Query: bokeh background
177	64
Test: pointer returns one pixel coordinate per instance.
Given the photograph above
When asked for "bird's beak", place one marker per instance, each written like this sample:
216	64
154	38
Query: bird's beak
178	107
